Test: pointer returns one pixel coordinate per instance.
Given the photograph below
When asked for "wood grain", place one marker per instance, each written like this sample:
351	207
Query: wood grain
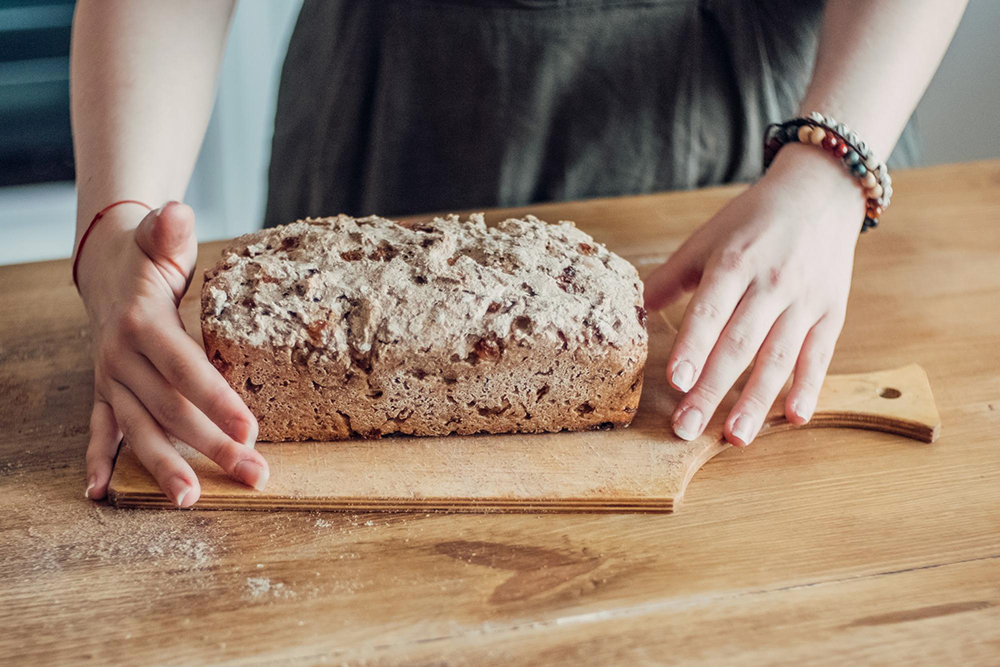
817	547
644	468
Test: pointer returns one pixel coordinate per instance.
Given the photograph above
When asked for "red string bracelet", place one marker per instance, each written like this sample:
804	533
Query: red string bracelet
90	228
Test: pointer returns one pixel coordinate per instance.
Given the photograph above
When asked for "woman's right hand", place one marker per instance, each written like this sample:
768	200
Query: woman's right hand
150	378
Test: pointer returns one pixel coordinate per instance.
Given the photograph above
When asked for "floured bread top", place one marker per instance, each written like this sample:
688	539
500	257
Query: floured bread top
344	285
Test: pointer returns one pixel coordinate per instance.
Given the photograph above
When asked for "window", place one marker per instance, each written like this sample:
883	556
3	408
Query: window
35	141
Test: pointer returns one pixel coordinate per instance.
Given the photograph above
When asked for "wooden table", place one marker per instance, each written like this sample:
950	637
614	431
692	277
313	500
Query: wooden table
824	546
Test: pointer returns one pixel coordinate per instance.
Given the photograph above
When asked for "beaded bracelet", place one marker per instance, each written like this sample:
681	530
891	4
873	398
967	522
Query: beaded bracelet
837	139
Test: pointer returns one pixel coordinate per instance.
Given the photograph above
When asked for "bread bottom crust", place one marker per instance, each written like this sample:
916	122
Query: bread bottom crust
526	389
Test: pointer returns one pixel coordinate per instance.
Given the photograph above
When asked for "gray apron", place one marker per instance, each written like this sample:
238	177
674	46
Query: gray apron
398	107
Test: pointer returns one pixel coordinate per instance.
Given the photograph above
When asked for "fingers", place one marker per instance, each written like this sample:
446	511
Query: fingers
165	232
166	235
771	370
180	418
734	350
153	449
668	281
813	362
183	364
104	439
706	316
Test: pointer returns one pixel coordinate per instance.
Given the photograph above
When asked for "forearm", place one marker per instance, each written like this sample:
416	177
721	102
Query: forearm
875	60
143	78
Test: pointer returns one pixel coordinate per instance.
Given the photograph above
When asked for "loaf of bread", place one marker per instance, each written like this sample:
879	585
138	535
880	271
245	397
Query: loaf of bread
339	327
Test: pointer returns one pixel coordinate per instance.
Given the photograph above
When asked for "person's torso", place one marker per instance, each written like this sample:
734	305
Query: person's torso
406	106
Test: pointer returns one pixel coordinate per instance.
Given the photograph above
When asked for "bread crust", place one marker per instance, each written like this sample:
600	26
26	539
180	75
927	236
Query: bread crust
319	352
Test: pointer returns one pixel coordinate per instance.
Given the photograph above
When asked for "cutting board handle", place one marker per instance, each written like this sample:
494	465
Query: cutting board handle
896	401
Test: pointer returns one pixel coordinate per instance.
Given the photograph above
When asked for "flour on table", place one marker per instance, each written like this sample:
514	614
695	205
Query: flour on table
259	588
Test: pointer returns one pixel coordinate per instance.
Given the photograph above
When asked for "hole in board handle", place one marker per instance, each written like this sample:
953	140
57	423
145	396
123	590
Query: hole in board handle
890	392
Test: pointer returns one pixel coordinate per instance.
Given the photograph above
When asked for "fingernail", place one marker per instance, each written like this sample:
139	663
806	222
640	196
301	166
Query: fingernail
240	431
178	488
252	473
86	494
803	412
683	376
688	423
743	429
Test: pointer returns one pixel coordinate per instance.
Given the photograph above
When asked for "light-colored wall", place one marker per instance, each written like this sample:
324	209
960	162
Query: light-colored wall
958	119
229	185
959	116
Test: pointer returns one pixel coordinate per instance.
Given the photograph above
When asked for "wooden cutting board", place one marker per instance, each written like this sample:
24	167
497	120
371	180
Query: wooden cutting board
644	468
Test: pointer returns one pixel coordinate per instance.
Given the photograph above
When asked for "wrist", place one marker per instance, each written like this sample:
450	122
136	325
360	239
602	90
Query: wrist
104	248
807	172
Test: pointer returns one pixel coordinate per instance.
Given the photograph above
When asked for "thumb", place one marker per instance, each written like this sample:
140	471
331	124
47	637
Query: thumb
680	273
167	237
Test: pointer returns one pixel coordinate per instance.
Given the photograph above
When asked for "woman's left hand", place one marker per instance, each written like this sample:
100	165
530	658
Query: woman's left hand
772	271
